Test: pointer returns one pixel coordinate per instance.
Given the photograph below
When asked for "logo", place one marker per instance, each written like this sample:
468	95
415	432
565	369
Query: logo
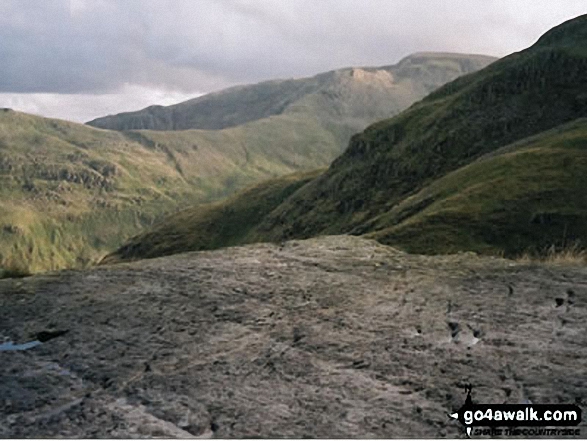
542	419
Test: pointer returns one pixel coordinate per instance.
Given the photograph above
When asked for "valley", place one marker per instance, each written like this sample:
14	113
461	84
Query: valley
71	193
492	162
338	256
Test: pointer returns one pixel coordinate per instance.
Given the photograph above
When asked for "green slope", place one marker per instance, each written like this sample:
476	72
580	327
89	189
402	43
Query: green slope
523	198
72	192
68	192
438	177
215	225
303	123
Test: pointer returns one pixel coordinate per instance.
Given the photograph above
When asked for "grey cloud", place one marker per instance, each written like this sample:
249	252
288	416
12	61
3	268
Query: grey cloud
84	107
98	46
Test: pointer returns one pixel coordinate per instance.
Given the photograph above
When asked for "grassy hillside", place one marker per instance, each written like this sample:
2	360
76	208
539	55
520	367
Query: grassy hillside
516	97
215	225
70	193
493	162
523	198
303	123
280	127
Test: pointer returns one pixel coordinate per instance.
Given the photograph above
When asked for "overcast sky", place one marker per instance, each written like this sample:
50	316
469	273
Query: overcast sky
80	59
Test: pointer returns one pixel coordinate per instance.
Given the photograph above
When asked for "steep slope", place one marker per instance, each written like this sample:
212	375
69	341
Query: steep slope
69	193
214	225
311	116
366	94
373	188
522	198
526	197
516	97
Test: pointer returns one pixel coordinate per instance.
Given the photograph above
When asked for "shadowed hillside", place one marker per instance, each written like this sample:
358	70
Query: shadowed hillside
525	197
516	97
214	225
284	126
522	198
420	180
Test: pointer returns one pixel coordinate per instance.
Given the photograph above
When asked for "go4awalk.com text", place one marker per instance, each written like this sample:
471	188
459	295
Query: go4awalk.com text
526	419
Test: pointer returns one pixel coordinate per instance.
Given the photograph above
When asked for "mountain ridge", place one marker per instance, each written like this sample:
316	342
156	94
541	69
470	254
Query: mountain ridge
513	98
212	111
524	95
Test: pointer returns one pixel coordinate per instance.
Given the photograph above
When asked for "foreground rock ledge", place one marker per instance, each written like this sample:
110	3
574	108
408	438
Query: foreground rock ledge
329	337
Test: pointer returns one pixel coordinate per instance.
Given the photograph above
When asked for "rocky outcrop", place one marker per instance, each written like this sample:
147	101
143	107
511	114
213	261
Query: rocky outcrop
329	337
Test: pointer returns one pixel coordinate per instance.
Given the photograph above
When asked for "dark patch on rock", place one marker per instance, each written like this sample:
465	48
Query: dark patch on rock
45	336
455	328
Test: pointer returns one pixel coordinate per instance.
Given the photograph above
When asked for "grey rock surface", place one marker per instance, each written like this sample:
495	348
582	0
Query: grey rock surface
329	337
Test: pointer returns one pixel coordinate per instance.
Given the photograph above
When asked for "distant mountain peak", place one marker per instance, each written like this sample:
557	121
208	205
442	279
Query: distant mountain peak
246	103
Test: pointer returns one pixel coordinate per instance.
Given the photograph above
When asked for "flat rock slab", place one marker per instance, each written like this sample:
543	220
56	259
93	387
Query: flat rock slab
329	337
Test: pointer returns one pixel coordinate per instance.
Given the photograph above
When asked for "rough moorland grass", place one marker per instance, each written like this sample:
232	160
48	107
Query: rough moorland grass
523	198
71	193
215	225
574	254
14	270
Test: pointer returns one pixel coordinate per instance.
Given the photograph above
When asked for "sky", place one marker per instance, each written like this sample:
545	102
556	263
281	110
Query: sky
81	59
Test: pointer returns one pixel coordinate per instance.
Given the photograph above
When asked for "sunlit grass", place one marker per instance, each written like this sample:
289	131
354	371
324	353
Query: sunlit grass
574	254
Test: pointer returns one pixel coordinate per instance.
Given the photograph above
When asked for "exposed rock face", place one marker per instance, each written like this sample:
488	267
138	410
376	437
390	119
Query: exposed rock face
329	337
